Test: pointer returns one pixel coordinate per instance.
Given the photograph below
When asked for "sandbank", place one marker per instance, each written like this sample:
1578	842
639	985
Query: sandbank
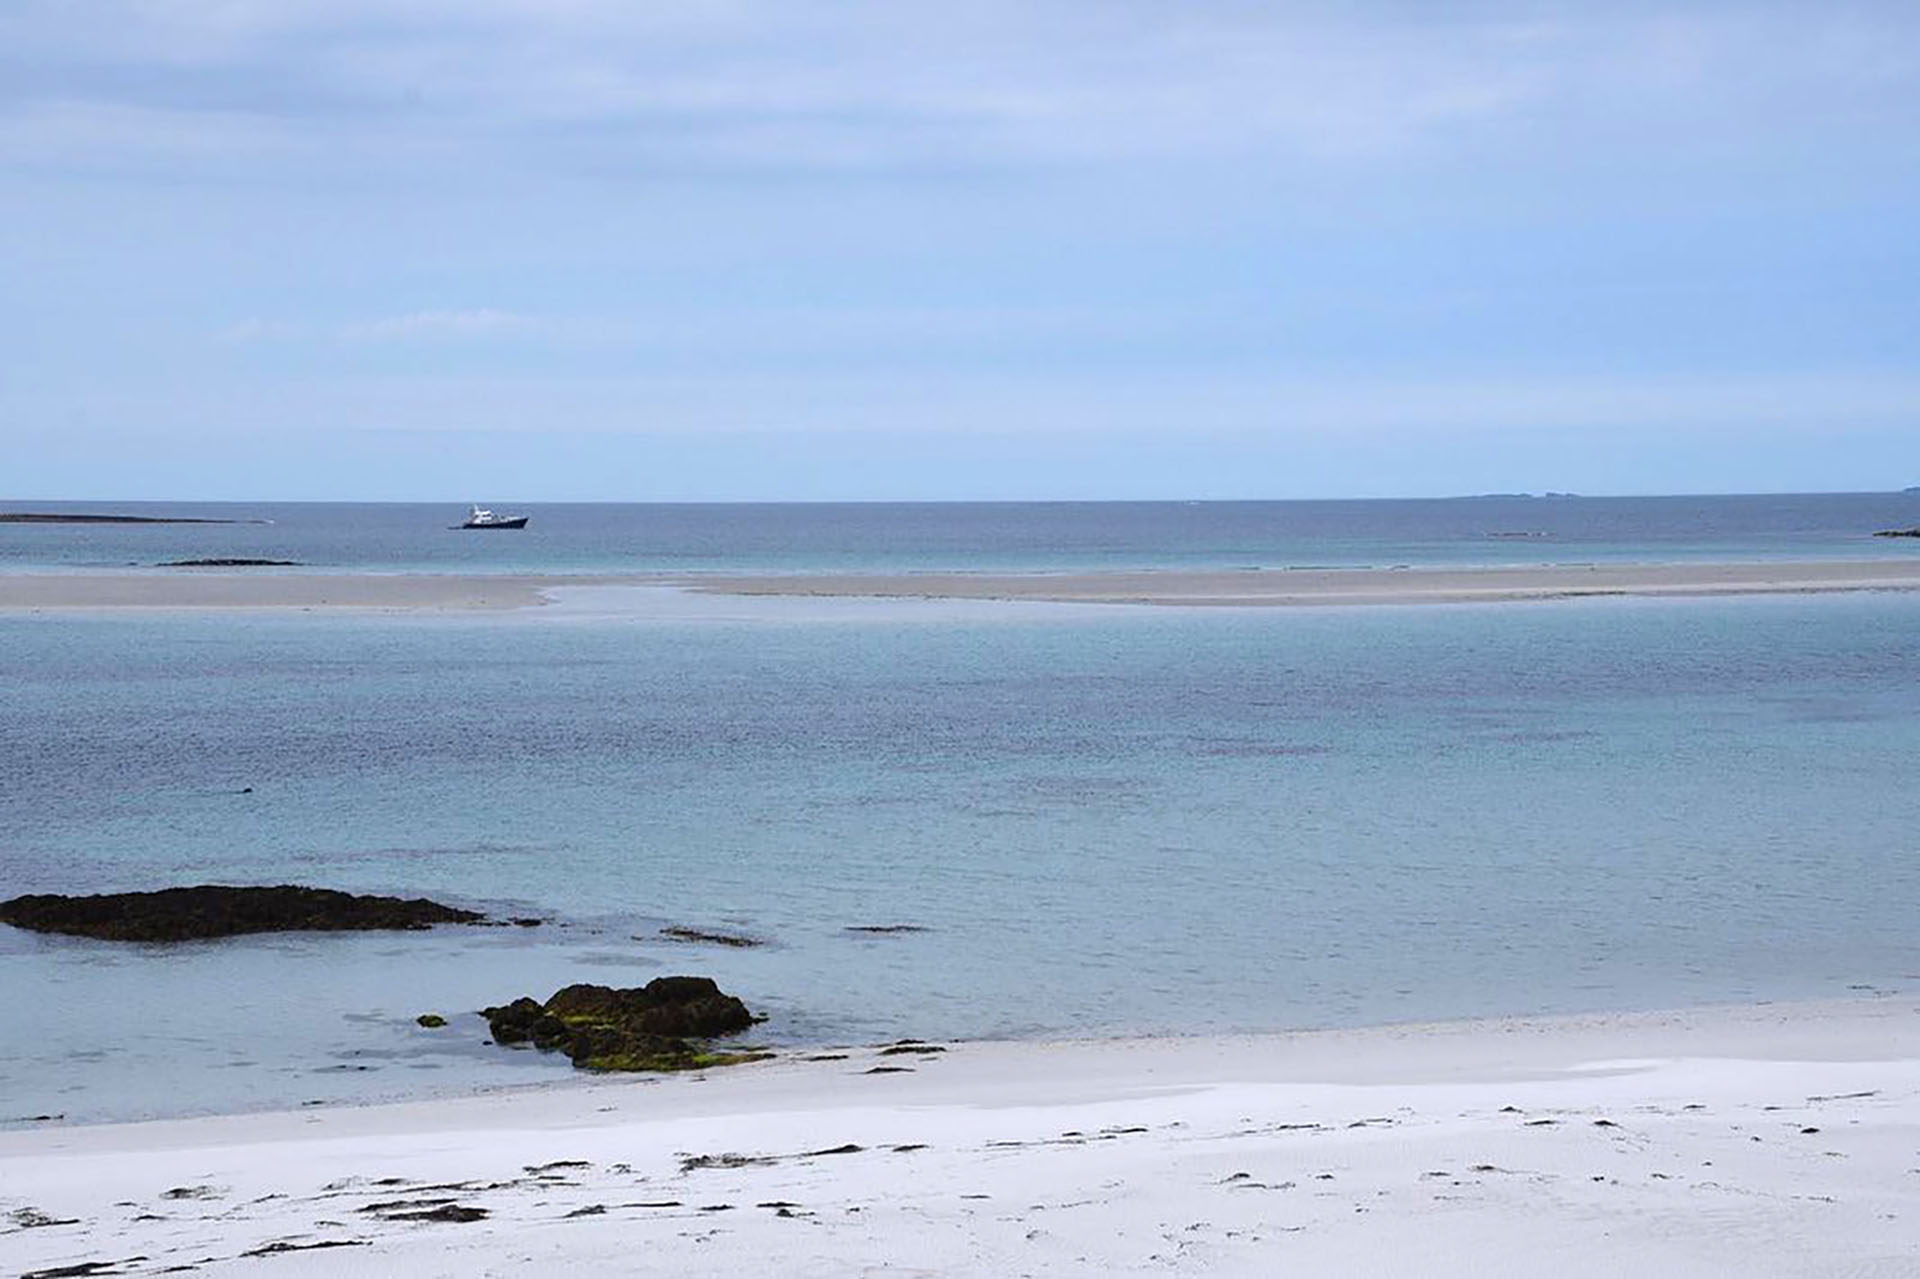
1309	586
246	589
1777	1140
238	589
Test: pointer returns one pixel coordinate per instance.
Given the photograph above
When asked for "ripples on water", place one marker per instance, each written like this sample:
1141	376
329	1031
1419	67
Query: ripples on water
1110	820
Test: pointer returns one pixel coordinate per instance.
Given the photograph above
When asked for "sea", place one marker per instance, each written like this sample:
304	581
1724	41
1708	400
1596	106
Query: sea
1074	820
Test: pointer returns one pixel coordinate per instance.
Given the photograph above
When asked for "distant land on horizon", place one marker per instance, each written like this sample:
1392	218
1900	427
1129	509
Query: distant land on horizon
10	515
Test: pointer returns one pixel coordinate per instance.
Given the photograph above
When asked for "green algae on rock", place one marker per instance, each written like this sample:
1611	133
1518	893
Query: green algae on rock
659	1026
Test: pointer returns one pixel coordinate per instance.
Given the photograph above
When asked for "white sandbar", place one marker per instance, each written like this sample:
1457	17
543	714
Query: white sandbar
232	589
1354	586
243	588
1763	1140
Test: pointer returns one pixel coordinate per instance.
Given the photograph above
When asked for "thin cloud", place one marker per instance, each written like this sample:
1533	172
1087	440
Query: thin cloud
480	322
871	85
256	329
1749	411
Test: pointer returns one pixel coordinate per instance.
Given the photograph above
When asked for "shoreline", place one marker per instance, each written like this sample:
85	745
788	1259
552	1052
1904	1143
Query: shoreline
1588	1144
93	591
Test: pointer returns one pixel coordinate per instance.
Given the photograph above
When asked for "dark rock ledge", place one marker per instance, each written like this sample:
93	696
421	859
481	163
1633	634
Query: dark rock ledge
228	561
660	1026
704	937
212	910
72	517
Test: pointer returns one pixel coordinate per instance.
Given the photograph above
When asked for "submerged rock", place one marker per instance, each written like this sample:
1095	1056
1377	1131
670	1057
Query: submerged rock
212	910
658	1026
700	936
1898	532
228	561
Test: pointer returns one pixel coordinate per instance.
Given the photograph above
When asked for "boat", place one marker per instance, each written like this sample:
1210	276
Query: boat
481	517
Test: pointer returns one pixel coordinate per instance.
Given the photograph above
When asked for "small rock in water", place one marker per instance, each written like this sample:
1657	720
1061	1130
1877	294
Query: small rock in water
431	1021
675	932
652	1027
228	562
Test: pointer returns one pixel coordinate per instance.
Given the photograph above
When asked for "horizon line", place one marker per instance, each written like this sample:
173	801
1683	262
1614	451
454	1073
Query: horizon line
1515	494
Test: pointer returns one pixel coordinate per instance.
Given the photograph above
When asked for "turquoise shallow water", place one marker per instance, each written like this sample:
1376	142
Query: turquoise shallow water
1108	820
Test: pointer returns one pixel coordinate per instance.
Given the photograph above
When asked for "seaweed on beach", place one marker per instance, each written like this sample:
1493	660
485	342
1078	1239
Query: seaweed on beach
279	1246
83	1268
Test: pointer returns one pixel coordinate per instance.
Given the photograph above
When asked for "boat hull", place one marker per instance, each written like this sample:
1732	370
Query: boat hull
517	521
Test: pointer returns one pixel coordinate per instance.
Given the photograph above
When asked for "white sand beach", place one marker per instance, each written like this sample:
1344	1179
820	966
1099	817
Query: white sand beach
234	589
1767	1140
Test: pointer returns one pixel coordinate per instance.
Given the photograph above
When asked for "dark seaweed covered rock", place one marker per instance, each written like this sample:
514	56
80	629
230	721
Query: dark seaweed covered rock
1898	532
658	1026
212	910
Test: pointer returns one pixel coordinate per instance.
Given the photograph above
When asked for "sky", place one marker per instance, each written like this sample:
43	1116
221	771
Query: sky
524	250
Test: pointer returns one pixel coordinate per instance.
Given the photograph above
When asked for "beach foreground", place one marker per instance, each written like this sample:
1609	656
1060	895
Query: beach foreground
1250	587
1777	1140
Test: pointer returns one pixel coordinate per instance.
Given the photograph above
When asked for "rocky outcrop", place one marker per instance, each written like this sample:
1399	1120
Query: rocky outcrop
1898	532
659	1026
212	910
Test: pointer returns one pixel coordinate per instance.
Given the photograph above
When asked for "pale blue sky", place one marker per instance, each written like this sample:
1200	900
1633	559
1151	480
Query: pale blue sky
764	249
